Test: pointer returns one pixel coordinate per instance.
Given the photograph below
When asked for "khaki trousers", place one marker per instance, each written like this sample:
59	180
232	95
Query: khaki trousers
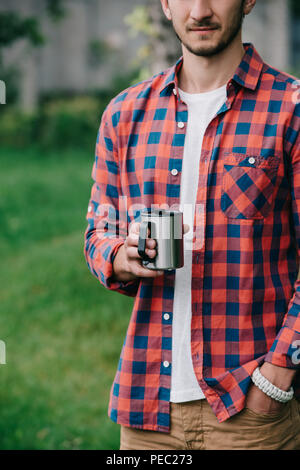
194	426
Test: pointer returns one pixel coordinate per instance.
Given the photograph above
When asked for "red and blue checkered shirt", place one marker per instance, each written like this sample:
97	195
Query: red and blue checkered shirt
245	291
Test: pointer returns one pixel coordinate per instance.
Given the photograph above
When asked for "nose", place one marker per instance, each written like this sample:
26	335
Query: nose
201	9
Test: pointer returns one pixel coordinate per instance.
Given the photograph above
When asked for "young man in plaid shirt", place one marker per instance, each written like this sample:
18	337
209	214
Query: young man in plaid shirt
212	352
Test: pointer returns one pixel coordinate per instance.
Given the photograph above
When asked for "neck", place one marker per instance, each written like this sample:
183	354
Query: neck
201	74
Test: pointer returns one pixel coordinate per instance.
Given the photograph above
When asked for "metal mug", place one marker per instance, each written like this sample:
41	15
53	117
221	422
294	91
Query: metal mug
166	227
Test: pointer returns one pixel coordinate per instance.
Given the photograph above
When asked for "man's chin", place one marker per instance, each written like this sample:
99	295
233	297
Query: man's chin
205	51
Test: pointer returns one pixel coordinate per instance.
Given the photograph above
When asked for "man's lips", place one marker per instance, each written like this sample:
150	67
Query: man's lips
204	28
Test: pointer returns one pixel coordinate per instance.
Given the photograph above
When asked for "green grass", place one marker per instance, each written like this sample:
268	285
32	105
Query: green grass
63	331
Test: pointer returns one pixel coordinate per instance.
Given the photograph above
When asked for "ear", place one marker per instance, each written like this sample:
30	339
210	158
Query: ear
166	9
248	6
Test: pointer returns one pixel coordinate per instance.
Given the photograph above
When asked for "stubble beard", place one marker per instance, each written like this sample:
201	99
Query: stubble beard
226	39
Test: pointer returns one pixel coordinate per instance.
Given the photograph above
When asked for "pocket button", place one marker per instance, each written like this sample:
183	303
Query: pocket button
251	160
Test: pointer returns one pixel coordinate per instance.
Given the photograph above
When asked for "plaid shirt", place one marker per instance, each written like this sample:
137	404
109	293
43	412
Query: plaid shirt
245	291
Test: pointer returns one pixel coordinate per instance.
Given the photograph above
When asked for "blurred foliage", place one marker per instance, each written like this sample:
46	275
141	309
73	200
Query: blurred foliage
63	330
295	54
12	76
56	9
295	4
139	21
66	123
160	47
14	27
99	51
63	120
62	124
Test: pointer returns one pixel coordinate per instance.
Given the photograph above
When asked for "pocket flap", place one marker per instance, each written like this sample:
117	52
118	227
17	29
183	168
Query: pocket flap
252	161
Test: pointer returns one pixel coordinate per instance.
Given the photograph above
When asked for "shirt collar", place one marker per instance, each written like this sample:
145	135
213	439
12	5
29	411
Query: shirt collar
247	74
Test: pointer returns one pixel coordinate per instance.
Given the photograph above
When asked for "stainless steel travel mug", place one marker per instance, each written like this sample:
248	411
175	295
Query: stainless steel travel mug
166	227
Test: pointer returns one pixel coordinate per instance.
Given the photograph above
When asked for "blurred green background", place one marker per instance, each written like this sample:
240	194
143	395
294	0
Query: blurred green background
62	330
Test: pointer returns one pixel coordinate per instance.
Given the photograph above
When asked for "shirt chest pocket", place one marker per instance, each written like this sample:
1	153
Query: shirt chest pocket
248	184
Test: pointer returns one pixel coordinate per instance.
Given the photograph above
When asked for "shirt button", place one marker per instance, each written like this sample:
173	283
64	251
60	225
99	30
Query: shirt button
166	316
251	160
90	209
174	91
180	125
174	172
166	364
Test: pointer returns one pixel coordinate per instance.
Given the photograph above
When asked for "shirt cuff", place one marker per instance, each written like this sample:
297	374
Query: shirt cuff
107	275
285	350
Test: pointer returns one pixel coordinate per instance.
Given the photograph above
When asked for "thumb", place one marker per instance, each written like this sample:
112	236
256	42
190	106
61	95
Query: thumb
135	227
186	228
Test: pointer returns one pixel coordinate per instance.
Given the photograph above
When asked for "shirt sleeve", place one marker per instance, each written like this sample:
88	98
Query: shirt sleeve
105	232
285	349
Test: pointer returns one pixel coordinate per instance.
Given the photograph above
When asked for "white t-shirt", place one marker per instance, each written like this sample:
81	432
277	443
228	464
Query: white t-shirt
202	108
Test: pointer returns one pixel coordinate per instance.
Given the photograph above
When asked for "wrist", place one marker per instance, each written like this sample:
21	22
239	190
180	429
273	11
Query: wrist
281	377
267	387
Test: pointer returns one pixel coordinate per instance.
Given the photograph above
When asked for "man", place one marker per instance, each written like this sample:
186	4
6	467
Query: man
211	354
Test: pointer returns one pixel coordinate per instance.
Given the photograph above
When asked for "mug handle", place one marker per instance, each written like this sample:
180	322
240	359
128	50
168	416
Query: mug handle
142	240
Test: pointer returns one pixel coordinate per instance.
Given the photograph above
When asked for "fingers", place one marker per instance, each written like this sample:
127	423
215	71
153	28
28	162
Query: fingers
133	239
134	259
132	252
134	228
139	270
